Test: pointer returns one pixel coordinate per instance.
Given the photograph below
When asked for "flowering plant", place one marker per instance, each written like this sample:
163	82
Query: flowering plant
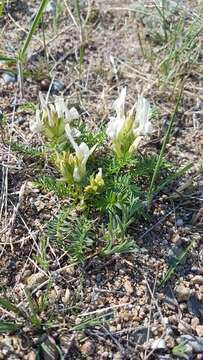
51	119
126	131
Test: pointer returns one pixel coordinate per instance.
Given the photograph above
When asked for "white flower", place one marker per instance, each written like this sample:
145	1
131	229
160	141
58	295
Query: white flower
142	117
36	124
82	153
53	118
119	104
116	124
126	131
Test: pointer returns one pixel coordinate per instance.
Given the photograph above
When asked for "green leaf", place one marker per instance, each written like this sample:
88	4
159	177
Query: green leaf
36	21
8	327
7	305
8	59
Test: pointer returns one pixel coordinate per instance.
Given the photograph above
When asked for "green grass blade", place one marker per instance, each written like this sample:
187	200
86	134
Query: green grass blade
7	305
8	59
173	177
178	262
8	327
35	24
2	6
163	148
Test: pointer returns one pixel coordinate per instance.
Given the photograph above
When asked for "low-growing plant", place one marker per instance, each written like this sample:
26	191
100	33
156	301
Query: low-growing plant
108	180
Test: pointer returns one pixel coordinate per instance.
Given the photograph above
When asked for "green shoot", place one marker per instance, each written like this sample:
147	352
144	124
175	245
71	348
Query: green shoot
9	327
2	6
163	148
180	350
36	21
178	261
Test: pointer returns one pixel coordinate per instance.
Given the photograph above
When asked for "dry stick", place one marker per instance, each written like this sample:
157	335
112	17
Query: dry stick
130	305
22	29
161	316
116	342
150	315
5	186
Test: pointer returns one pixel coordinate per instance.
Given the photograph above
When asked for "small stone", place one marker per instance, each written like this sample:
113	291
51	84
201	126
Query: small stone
139	336
179	222
170	342
182	293
198	279
88	348
195	306
194	342
199	330
31	356
44	84
57	86
184	327
117	356
158	344
194	323
35	279
128	287
9	78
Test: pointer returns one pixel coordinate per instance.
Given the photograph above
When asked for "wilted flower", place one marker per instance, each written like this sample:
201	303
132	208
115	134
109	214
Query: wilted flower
127	131
82	154
96	183
52	119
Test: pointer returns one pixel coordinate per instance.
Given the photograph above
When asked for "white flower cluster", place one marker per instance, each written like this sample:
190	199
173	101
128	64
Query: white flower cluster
125	131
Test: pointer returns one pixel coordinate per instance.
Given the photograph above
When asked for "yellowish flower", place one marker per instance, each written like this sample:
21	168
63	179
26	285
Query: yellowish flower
96	183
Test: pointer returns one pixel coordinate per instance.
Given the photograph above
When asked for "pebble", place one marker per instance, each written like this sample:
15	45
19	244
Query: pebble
199	330
194	323
128	287
158	344
198	279
195	307
36	279
179	222
57	86
140	335
184	327
182	293
44	84
170	342
88	348
9	78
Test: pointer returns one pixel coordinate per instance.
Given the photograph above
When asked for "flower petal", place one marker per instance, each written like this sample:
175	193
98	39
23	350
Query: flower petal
114	127
119	104
73	114
135	144
71	139
60	106
76	174
142	115
36	124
